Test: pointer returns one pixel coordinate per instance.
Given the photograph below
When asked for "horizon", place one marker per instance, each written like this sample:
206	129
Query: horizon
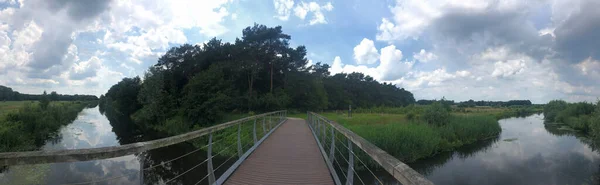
460	50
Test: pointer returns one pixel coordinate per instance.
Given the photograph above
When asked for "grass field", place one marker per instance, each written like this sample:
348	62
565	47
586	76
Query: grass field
410	139
10	106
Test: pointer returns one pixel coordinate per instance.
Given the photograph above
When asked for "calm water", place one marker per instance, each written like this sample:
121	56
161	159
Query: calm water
525	153
92	129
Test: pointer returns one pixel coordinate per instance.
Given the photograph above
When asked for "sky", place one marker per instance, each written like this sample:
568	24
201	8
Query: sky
458	49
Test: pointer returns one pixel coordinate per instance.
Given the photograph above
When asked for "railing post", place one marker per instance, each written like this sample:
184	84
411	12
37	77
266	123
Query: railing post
350	174
264	129
142	157
239	140
332	149
254	131
270	122
211	174
324	132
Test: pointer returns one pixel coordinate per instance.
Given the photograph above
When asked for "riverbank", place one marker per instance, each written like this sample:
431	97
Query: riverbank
581	117
30	125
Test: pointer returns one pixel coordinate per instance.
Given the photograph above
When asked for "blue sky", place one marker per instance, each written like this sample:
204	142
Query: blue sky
458	49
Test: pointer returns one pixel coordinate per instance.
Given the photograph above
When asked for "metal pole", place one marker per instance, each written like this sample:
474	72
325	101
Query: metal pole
264	129
270	122
211	173
350	174
254	131
142	157
239	140
332	149
324	131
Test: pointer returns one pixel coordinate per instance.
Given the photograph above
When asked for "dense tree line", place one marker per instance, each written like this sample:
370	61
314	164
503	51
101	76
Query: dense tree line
197	84
472	103
7	94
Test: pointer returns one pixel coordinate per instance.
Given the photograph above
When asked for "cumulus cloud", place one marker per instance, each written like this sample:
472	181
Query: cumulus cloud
424	56
85	69
58	20
508	68
391	67
303	9
284	8
365	52
577	37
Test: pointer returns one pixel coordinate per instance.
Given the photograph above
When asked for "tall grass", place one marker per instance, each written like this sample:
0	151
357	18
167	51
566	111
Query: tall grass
30	126
410	140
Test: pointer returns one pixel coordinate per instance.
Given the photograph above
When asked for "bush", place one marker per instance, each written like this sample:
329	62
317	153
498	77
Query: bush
436	114
553	108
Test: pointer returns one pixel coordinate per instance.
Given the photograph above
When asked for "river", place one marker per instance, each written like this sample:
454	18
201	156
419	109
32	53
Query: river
92	129
526	152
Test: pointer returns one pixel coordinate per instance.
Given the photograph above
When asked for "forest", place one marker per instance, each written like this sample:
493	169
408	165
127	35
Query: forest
7	94
195	85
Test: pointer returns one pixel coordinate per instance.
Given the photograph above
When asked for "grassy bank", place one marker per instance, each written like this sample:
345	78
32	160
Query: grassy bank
582	116
413	139
28	126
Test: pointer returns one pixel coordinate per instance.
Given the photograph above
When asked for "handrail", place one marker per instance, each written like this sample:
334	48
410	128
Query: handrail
400	171
75	155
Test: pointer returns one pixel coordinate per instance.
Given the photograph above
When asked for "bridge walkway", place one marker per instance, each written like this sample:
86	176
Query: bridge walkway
289	156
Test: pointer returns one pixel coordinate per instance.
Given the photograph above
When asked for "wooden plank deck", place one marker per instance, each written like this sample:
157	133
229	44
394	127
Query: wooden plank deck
289	156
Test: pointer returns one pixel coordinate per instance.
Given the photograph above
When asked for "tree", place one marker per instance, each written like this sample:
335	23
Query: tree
54	96
44	101
196	85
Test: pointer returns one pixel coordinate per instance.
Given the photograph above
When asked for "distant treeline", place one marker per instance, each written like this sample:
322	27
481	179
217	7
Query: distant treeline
472	103
195	85
7	94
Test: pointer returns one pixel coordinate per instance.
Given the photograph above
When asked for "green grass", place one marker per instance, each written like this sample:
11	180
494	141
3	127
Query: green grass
28	126
410	140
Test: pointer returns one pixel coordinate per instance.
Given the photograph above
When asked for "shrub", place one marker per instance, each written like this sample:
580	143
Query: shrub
553	108
436	114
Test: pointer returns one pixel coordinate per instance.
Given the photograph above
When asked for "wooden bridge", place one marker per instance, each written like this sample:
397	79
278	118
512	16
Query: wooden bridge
270	149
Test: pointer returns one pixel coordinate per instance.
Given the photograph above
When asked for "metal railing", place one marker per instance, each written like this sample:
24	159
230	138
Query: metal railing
233	140
351	159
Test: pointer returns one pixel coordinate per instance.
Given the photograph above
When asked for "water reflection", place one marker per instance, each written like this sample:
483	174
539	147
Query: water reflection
526	152
92	129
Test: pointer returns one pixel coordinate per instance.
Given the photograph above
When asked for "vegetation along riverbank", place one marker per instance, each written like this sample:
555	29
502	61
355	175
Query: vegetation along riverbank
420	131
583	117
27	125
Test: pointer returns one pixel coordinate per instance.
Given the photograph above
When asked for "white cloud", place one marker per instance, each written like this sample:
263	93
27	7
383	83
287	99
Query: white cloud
303	9
85	69
365	52
284	8
390	68
424	56
508	68
411	17
463	73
